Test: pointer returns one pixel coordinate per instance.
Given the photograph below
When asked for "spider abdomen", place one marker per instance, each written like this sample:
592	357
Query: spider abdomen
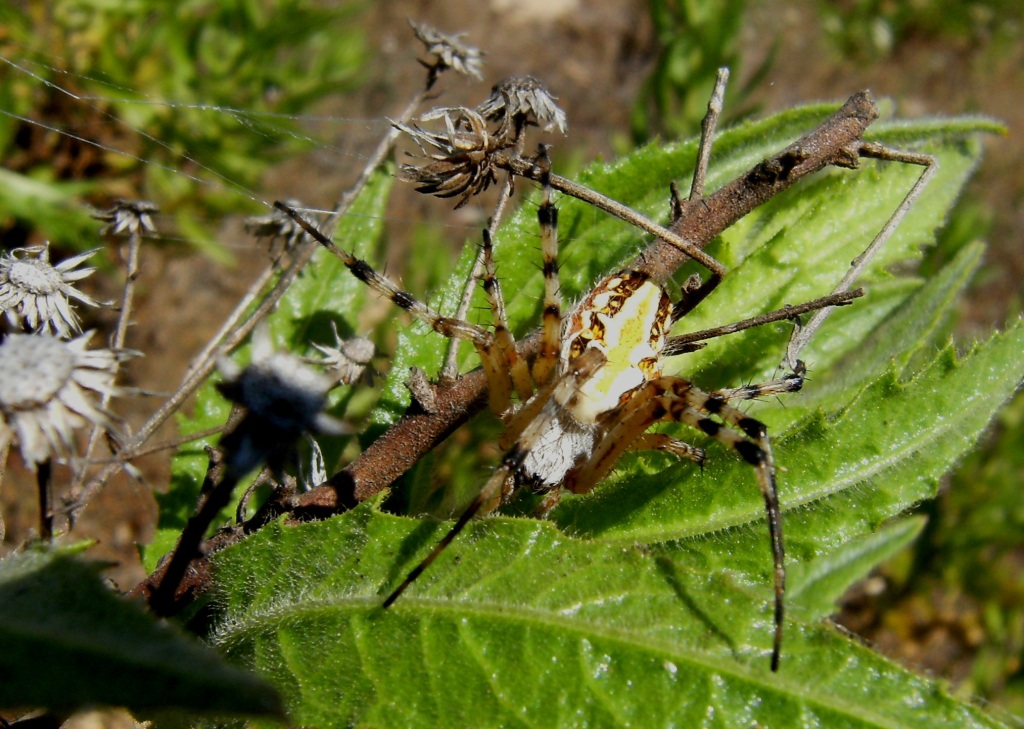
559	443
627	316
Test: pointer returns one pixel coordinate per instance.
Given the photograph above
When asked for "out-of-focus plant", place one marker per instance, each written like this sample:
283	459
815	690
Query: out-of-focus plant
692	41
146	75
973	551
864	29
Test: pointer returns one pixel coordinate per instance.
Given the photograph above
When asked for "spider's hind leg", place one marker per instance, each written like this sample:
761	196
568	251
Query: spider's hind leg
678	400
688	404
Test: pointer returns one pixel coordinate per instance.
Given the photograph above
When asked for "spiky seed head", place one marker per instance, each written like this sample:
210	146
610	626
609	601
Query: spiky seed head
35	292
49	388
128	217
347	359
460	156
449	51
277	225
524	96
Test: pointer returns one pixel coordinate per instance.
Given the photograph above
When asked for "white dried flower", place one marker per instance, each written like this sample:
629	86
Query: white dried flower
130	217
48	389
346	360
35	291
449	51
283	398
526	97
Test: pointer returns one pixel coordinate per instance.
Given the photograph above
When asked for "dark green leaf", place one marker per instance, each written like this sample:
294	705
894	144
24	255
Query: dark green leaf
70	642
817	585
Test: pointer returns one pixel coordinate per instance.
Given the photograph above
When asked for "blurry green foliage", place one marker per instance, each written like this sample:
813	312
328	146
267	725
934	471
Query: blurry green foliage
143	78
865	29
692	41
972	553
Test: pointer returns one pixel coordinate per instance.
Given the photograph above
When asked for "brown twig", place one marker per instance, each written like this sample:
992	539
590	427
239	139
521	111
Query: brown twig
44	482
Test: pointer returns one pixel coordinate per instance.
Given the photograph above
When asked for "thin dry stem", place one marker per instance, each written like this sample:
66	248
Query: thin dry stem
707	134
203	366
5	449
117	342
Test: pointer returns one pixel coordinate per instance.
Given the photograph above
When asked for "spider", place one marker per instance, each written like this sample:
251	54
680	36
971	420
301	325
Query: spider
593	390
597	383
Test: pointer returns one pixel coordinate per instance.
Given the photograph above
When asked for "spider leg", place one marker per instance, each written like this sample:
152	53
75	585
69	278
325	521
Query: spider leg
447	326
668	444
506	361
803	334
678	400
755	449
789	382
682	343
558	392
547	215
489	496
493	354
517	423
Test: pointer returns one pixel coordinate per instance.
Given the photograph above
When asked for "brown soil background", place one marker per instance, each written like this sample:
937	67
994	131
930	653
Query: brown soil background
593	56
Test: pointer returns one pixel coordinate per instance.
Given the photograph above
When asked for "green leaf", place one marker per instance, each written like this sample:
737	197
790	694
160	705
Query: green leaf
69	642
817	585
518	625
50	205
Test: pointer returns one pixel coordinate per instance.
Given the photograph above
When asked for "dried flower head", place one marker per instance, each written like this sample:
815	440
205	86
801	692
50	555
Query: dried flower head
283	398
346	360
276	225
524	97
35	291
128	217
449	52
48	388
460	156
